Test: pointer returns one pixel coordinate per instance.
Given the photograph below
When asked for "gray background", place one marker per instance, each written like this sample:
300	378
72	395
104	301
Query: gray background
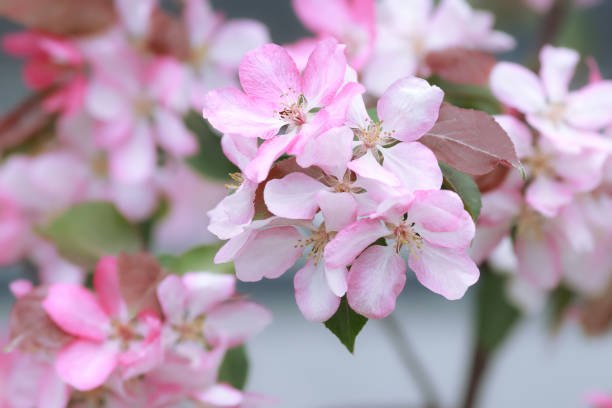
304	366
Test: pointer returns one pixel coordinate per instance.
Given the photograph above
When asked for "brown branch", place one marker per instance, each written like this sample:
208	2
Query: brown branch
24	122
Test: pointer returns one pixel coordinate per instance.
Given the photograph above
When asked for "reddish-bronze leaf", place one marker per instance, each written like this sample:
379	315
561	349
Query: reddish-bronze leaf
139	275
492	180
470	141
168	35
461	65
24	122
30	327
65	17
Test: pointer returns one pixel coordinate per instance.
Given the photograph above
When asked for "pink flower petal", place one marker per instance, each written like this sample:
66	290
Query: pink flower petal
207	289
234	212
86	365
257	170
367	166
409	108
20	287
446	271
339	209
324	73
268	73
518	87
76	311
547	195
234	39
519	133
239	150
330	151
414	165
52	391
231	111
221	396
172	295
353	239
234	322
173	135
134	160
375	280
293	196
270	253
591	107
557	70
539	260
313	295
106	285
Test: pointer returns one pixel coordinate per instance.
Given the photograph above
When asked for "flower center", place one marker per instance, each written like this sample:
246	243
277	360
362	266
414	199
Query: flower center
405	234
555	112
373	134
125	333
191	330
317	241
539	163
293	113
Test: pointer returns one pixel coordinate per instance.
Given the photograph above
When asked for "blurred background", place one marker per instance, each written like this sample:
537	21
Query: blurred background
305	366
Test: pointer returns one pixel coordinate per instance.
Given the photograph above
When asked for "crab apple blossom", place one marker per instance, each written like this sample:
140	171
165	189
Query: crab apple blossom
351	22
277	97
570	120
407	31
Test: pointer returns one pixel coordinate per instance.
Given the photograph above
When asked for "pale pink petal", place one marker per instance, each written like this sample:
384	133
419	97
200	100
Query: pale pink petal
136	201
323	16
86	365
142	358
206	289
269	73
239	150
270	150
547	195
375	280
337	280
591	107
339	209
486	239
313	295
293	196
200	21
414	165
324	73
379	73
234	212
353	239
518	87
409	108
330	151
134	160
339	107
76	311
53	392
440	219
135	15
300	51
106	285
172	296
231	111
557	69
446	271
234	322
20	287
220	395
538	259
270	253
367	166
308	131
172	134
234	39
106	103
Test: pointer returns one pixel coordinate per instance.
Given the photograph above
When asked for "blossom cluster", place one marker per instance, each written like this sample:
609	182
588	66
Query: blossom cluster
143	338
351	192
551	226
107	124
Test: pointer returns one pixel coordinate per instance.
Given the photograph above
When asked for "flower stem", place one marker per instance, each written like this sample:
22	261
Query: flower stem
411	362
480	362
552	22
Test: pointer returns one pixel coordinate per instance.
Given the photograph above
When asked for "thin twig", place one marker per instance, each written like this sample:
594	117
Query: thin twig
552	23
411	362
480	362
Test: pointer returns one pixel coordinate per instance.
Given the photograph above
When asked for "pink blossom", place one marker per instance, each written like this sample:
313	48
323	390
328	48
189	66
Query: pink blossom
434	229
351	22
137	110
598	400
12	230
570	120
51	62
276	96
408	30
106	335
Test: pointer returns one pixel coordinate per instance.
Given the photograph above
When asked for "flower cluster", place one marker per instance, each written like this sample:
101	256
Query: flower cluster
556	214
107	124
351	192
142	339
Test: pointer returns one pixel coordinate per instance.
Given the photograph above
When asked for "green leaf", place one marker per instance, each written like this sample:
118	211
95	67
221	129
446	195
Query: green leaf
210	160
465	186
495	316
234	369
88	231
373	113
196	259
468	96
346	324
